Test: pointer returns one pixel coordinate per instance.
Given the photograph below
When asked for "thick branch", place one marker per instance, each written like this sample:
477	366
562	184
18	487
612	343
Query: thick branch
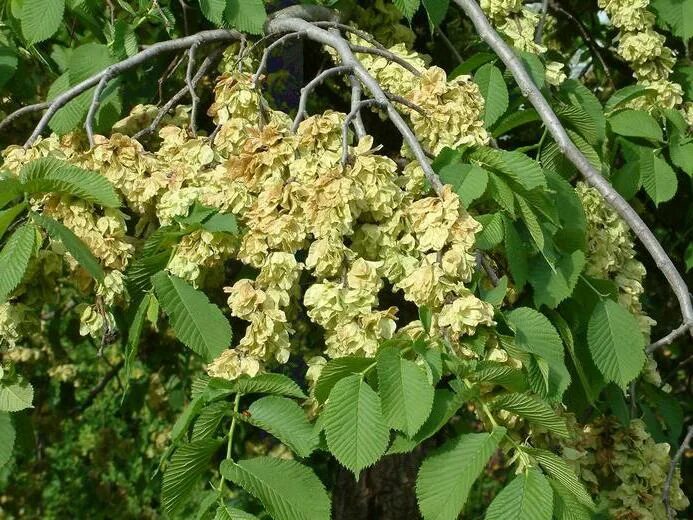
218	35
575	156
337	42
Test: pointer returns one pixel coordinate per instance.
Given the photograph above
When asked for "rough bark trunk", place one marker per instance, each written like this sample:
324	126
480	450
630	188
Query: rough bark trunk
384	492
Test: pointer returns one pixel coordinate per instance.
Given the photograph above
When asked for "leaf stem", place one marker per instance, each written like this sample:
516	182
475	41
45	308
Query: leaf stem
229	442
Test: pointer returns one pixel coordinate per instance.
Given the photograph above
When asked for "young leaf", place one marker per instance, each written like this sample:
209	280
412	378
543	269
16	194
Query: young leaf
533	410
445	478
268	383
186	467
468	181
199	324
336	370
286	421
616	343
658	178
528	497
245	15
636	123
16	396
48	174
406	395
7	436
495	92
14	259
354	425
78	249
40	19
287	490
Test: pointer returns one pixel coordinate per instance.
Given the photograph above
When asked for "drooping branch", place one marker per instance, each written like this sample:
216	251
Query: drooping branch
666	494
576	157
347	58
204	37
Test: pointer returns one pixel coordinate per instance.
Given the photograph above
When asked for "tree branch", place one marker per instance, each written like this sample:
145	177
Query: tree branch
666	494
191	88
356	91
356	109
24	110
575	156
539	32
310	87
669	338
337	42
218	35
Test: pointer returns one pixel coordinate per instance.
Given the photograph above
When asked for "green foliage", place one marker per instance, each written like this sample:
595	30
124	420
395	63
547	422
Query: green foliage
527	497
494	90
284	419
41	19
675	15
287	489
532	409
7	438
199	324
15	257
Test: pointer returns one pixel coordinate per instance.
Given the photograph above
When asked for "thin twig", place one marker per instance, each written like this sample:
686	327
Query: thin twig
100	387
204	67
310	87
671	337
357	107
356	92
191	89
539	32
404	101
268	50
575	156
666	494
217	35
94	106
24	110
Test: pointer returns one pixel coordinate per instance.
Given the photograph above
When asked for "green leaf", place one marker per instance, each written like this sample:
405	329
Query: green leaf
635	123
515	250
436	10
199	324
472	63
229	513
658	178
514	120
8	64
10	189
354	424
287	490
9	215
186	467
48	174
557	468
515	166
213	10
616	343
221	223
528	497
532	409
531	221
246	15
408	7
575	93
534	66
268	383
336	370
624	95
286	421
72	243
495	92
492	231
14	259
566	506
407	397
446	477
16	396
554	284
209	419
535	334
40	19
495	295
675	15
133	338
68	117
7	436
681	153
467	180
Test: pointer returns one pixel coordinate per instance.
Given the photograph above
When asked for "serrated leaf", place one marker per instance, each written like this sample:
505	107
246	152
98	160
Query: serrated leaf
186	467
40	19
558	469
229	513
503	375
553	284
576	93
532	409
635	123
221	222
78	249
246	15
209	419
515	166
51	175
133	338
16	396
406	395
213	10
268	383
287	490
337	369
514	120
675	15
528	497
566	506
681	153
10	189
407	7
535	334
446	477
516	253
495	92
616	343
354	424
436	10
531	221
198	324
8	63
467	180
286	421
9	215
624	95
7	436
14	259
492	231
658	178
